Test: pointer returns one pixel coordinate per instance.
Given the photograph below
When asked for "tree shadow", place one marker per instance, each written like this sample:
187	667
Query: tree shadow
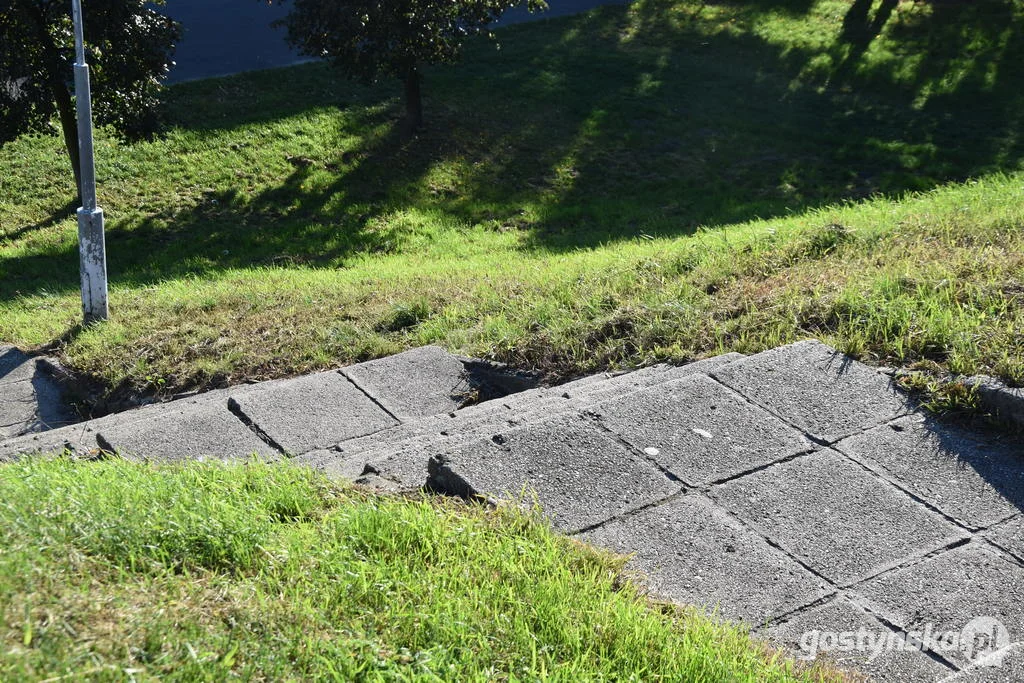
61	214
319	215
622	123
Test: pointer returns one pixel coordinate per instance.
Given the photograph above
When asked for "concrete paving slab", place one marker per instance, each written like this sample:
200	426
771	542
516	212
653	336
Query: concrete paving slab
15	366
853	640
579	474
416	383
336	465
818	389
1003	666
974	478
194	432
1009	535
700	430
945	593
33	404
692	552
17	413
842	521
311	412
79	438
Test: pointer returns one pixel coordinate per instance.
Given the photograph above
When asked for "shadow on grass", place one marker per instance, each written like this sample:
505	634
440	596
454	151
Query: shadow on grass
649	120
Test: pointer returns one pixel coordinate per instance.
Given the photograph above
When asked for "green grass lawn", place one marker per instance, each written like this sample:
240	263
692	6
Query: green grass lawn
667	180
114	571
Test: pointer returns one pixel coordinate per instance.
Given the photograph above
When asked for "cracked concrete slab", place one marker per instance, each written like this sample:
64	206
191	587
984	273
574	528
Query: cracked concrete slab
193	432
850	638
579	474
816	388
691	551
841	520
946	592
700	430
311	412
976	481
417	383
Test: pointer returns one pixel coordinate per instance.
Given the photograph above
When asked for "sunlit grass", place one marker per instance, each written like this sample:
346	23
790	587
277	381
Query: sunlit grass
121	571
664	181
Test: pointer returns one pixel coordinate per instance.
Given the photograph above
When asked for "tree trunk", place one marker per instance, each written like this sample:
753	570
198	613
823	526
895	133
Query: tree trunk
56	77
69	124
413	100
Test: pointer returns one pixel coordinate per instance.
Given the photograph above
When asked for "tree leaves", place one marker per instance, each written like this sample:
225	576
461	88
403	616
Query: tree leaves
129	47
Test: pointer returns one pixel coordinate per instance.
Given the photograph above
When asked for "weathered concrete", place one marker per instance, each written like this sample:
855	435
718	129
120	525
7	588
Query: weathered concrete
842	521
716	485
872	648
31	399
1003	666
700	430
947	591
400	454
580	475
307	413
690	551
417	383
15	365
80	439
1009	536
193	432
976	480
817	389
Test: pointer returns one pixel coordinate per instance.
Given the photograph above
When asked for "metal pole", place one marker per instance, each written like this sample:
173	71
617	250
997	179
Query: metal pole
91	245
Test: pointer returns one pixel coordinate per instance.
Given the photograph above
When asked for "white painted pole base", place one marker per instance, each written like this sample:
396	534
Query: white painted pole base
94	265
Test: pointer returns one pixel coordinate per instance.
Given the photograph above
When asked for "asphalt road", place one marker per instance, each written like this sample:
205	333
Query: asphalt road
223	37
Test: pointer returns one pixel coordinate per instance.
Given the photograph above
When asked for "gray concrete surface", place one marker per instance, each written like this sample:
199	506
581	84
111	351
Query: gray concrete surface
693	551
795	490
580	475
841	615
191	432
31	397
817	389
977	482
814	507
310	412
699	430
419	383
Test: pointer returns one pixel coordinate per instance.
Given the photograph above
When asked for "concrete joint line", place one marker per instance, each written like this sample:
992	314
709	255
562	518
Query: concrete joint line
896	484
1000	550
630	513
759	468
373	398
810	437
936	657
235	409
767	539
911	560
782	418
595	419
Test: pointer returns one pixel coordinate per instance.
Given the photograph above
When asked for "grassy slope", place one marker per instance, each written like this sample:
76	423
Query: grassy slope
119	571
668	180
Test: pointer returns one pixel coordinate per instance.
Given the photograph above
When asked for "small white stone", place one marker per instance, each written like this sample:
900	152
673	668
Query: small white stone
651	451
701	432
